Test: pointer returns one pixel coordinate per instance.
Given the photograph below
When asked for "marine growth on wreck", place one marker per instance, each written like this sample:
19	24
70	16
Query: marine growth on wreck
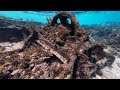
58	50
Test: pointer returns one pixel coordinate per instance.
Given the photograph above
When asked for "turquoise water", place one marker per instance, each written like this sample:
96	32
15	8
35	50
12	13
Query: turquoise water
84	17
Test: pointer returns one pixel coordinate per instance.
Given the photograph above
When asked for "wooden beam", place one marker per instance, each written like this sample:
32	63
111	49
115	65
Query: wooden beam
51	48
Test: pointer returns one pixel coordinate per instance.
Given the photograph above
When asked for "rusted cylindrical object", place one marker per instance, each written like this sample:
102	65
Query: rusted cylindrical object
63	18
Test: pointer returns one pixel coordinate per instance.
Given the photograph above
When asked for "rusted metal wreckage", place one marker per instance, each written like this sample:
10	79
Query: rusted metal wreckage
69	43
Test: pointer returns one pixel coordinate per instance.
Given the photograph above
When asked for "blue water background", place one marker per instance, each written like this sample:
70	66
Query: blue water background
84	17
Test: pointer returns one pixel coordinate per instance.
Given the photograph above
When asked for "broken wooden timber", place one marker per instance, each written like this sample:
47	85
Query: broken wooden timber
42	42
51	48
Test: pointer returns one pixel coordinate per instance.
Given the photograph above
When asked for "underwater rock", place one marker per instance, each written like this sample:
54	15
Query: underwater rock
111	69
113	40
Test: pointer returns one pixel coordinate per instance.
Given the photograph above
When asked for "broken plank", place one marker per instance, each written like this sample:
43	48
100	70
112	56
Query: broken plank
51	48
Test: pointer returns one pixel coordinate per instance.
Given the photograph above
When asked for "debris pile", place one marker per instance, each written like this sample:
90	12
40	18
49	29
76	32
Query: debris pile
55	51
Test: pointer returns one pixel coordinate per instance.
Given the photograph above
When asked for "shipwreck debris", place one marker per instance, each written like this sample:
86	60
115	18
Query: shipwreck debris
66	42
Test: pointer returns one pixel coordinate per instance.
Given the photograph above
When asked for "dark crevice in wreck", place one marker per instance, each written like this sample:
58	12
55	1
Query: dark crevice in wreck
12	34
